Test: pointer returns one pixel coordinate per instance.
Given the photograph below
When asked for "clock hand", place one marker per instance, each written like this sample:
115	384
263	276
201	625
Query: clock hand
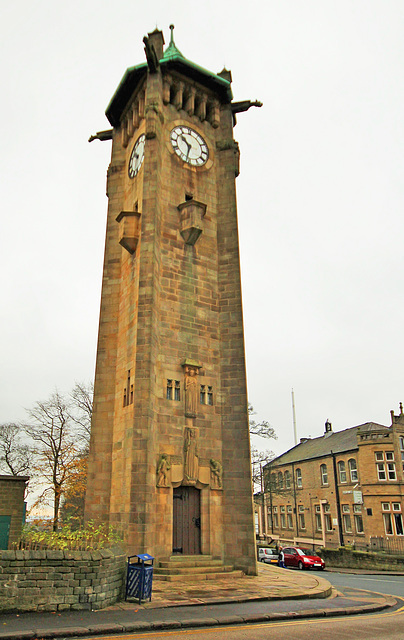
189	146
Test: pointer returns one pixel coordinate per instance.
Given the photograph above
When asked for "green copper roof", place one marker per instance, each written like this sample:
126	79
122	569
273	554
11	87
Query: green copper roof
171	52
172	59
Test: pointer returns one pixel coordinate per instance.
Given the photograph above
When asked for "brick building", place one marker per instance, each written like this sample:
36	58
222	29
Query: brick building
12	509
342	488
169	453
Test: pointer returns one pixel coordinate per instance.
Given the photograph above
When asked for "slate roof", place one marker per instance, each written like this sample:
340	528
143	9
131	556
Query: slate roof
338	442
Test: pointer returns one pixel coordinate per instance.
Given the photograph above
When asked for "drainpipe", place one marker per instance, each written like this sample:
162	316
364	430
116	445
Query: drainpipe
339	517
270	500
295	500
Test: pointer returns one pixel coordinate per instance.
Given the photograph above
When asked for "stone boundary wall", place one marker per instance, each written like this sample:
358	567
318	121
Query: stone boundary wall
60	580
362	560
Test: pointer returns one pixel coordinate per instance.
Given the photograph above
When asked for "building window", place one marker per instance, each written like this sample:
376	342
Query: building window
324	474
318	517
287	480
341	471
289	517
390	518
299	481
302	523
128	392
387	519
358	518
173	390
269	518
280	480
402	451
346	518
273	482
327	517
353	470
398	518
283	518
391	471
169	389
386	468
275	517
257	526
206	395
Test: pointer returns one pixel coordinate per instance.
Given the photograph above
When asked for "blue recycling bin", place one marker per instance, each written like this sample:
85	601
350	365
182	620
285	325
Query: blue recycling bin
139	578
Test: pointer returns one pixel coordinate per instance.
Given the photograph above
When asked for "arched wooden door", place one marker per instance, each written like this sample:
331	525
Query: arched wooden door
186	521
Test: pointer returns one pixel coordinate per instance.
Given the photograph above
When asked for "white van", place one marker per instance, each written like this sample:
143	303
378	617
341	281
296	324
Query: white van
265	554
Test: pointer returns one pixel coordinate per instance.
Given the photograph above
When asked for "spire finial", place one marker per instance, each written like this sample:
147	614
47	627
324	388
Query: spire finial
172	34
401	408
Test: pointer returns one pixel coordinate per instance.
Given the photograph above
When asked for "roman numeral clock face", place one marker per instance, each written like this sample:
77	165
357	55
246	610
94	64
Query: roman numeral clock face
189	146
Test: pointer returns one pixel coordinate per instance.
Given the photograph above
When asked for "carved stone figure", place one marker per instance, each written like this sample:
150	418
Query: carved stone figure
191	459
191	391
216	474
163	468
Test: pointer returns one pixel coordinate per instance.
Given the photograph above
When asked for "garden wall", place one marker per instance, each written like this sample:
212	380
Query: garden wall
60	580
348	558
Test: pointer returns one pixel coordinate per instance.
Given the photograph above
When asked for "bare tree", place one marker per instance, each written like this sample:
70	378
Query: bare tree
82	406
15	455
262	429
54	434
259	458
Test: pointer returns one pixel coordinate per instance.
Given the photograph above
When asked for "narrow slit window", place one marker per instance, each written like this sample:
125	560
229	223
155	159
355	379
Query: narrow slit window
202	396
169	394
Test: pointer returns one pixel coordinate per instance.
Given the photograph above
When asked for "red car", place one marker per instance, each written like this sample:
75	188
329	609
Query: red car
302	558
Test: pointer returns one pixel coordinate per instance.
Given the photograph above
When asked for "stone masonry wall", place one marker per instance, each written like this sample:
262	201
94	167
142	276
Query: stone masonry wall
12	490
362	560
60	580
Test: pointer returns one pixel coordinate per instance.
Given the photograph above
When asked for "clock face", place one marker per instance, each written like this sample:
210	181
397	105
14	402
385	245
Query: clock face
189	146
136	157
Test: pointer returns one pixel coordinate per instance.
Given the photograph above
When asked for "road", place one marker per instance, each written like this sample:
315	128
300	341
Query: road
388	625
391	585
382	626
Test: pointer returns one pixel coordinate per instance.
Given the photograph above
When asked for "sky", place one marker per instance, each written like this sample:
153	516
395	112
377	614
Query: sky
320	194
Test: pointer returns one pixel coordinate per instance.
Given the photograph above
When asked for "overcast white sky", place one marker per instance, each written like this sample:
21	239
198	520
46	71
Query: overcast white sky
320	193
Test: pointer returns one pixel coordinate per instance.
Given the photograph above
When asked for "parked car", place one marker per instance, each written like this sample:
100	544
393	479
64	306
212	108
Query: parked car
266	554
302	558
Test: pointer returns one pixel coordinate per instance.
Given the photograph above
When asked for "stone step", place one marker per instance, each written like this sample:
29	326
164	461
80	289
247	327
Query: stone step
166	564
185	570
192	578
196	558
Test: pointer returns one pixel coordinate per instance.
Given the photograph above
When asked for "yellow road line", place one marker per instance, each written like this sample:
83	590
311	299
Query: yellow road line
243	627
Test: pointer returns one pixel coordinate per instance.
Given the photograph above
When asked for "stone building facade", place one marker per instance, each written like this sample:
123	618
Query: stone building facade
12	509
170	453
343	488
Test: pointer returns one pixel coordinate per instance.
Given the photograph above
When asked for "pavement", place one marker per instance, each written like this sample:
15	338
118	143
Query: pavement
275	594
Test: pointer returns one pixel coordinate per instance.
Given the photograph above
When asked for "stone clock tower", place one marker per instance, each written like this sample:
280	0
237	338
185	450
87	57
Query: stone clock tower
170	451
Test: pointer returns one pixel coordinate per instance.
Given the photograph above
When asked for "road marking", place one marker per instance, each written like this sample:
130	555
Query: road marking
376	580
285	623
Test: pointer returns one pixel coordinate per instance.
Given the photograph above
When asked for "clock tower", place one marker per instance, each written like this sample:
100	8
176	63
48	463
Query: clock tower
170	451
